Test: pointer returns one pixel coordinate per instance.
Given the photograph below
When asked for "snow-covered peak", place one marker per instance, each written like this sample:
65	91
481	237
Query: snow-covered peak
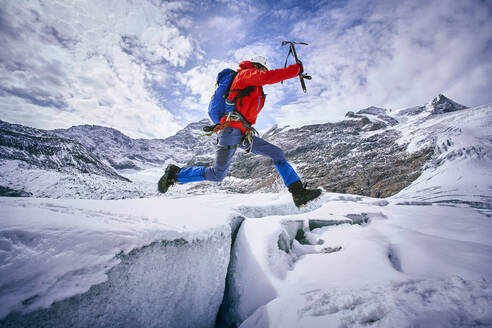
439	105
442	104
411	111
373	111
379	117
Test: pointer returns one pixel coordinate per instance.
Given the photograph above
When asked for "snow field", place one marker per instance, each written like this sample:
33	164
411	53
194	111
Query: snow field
343	261
53	184
402	265
447	302
393	265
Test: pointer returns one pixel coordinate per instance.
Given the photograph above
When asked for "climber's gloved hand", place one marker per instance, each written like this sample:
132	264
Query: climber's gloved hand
301	68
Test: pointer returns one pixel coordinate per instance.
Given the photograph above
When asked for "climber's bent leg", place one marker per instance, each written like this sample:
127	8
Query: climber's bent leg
228	141
286	171
191	174
223	159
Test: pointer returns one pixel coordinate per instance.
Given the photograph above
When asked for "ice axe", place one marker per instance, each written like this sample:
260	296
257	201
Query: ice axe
292	51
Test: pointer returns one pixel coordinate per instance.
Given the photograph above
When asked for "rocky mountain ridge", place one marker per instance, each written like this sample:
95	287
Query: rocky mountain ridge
122	152
42	149
363	154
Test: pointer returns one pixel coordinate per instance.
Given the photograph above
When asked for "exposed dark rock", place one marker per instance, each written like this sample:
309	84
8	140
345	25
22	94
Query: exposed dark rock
441	104
9	192
44	150
333	156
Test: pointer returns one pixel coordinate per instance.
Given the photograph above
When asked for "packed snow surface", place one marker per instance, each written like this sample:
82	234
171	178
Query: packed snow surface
153	250
358	261
346	260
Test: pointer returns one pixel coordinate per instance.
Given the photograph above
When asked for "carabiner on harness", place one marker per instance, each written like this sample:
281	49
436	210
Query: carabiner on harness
249	138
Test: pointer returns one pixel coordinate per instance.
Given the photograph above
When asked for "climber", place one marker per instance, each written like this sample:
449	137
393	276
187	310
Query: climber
235	130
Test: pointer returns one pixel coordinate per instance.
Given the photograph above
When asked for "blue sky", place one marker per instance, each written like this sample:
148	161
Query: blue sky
147	68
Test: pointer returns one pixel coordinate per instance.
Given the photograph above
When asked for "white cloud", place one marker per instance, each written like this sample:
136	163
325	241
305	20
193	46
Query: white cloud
93	61
218	33
117	62
393	54
201	82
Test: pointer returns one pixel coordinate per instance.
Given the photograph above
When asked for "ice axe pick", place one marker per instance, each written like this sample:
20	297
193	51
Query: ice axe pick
292	51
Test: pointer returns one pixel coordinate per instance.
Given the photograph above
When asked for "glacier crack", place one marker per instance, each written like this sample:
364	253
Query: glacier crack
169	283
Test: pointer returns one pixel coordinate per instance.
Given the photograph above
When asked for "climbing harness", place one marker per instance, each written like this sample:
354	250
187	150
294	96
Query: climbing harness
234	116
249	134
249	137
216	128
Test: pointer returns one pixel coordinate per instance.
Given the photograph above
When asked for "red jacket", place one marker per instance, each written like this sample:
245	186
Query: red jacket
249	76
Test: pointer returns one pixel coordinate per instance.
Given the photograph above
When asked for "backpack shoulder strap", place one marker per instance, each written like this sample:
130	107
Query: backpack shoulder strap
241	93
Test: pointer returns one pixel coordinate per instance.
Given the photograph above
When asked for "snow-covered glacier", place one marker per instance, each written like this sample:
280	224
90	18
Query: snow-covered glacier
165	262
134	263
421	258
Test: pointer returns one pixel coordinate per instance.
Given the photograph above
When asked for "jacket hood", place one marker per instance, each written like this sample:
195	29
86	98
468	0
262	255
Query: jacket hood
245	64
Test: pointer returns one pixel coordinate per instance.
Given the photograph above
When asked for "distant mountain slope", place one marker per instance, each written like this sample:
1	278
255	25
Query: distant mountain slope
357	156
363	154
460	170
122	152
374	152
43	150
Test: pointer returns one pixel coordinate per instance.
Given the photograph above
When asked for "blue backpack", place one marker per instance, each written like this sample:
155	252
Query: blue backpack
217	107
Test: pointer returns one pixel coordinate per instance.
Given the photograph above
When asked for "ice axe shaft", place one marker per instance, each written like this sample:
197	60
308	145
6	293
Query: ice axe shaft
294	53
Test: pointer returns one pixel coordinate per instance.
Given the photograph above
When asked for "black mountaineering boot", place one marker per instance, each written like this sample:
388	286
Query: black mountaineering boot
169	178
301	195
